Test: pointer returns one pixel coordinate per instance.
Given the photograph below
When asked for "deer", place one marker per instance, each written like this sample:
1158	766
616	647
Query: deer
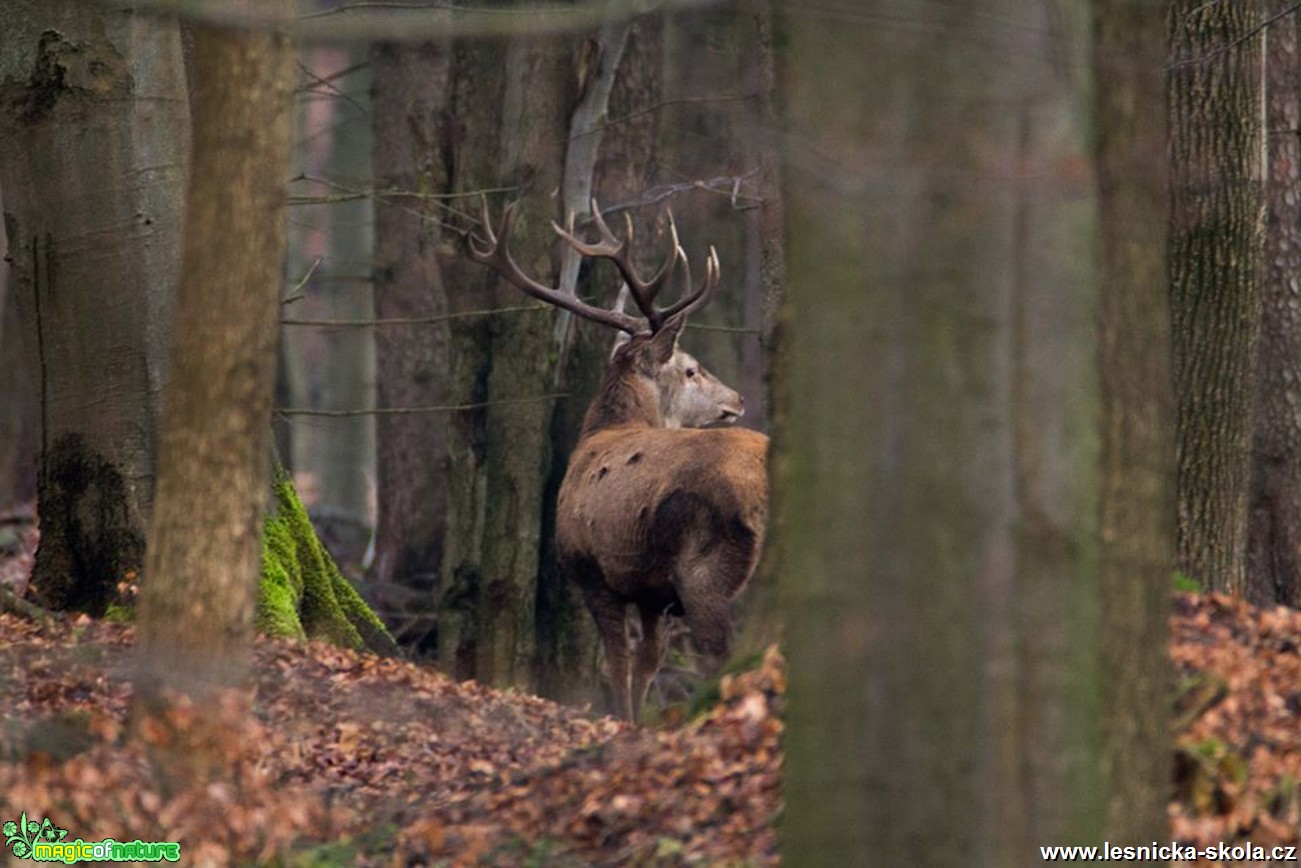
663	506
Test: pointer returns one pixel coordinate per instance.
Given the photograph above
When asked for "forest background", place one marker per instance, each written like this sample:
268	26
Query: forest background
1011	284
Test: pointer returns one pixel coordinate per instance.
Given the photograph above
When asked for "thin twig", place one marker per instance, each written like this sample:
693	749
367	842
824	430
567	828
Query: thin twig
404	411
738	330
685	100
299	289
728	186
1229	46
332	90
409	22
419	320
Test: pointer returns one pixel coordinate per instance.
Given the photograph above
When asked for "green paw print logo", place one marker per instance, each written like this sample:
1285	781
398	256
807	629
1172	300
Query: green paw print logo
23	834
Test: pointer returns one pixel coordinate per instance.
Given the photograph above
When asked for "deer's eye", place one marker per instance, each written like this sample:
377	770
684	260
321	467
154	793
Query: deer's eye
691	372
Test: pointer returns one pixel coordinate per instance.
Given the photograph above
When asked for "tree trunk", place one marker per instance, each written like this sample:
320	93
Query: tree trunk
517	422
330	251
411	114
513	102
766	280
1274	564
19	409
477	92
710	54
627	159
1216	221
93	142
936	502
346	371
196	601
1136	493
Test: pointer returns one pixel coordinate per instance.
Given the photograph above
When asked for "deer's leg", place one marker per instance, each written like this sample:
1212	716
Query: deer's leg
708	578
609	610
709	617
650	655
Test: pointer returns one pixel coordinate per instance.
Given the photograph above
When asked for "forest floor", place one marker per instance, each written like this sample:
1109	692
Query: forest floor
392	762
354	760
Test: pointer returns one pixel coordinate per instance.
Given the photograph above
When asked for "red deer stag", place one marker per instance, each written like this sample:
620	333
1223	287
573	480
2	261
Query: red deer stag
655	510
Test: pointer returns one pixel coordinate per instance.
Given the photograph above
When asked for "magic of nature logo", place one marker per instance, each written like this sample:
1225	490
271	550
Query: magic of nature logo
45	842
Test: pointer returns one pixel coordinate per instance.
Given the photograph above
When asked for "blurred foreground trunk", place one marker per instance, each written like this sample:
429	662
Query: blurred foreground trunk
196	602
937	460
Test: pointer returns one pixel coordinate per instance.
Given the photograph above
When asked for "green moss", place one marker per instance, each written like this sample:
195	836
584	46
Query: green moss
119	614
302	593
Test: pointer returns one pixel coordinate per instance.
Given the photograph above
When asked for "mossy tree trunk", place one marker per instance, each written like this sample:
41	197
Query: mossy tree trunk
196	601
936	470
411	123
1136	484
93	154
302	594
1274	565
1216	223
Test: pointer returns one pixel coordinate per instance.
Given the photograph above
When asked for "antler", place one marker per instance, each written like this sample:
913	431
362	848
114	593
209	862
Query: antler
495	254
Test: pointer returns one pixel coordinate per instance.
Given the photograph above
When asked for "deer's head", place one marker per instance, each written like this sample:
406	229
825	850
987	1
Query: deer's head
649	379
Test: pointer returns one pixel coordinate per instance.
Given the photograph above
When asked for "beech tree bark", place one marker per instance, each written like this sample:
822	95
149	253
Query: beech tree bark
196	601
1216	221
93	152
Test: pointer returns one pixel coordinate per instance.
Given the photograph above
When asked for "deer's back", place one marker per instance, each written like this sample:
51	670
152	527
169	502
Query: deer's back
620	478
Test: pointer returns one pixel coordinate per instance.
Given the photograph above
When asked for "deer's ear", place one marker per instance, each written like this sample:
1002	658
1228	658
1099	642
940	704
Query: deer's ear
665	342
620	338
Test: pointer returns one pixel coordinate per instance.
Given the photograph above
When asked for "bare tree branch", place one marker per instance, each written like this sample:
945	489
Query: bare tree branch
1207	57
423	320
414	21
402	411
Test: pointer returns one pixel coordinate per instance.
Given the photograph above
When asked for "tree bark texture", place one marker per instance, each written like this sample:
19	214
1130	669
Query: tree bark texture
513	100
535	114
196	601
93	150
1216	221
410	120
19	409
1136	483
477	90
936	462
1274	562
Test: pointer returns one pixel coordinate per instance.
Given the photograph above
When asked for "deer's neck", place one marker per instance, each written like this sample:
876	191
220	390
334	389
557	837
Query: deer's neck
623	401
